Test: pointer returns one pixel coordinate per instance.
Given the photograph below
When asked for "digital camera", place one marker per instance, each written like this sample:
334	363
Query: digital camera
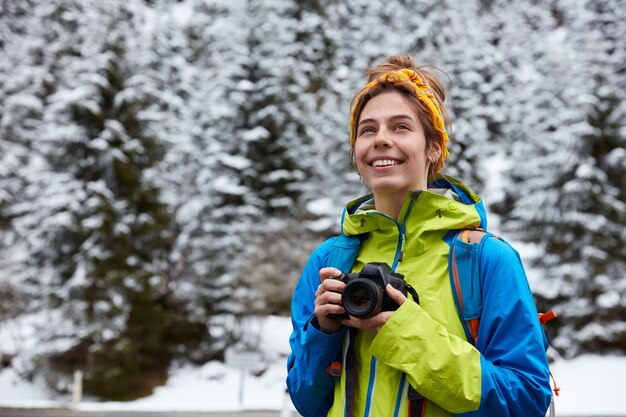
364	294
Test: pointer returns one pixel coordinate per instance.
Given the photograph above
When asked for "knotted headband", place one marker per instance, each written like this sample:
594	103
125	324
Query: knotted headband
423	94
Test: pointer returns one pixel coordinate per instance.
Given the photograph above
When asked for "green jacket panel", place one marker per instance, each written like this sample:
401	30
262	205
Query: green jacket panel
384	358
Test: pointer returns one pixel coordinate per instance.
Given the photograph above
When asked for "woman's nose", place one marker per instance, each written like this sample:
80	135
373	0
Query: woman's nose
382	139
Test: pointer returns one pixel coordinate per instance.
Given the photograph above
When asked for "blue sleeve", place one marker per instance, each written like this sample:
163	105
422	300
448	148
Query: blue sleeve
514	366
310	386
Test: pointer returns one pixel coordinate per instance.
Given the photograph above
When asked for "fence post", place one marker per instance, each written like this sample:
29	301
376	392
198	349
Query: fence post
78	388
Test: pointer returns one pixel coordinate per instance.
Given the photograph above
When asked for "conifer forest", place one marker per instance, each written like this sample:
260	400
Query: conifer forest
167	167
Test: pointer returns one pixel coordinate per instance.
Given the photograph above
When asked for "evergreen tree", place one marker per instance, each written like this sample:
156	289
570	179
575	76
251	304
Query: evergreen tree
188	40
22	88
97	233
306	49
269	131
587	254
206	245
570	203
255	147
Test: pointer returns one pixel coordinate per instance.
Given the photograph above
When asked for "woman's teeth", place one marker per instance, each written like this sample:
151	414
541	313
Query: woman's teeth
384	163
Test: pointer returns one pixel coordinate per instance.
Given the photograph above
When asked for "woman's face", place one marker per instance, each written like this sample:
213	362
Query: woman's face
390	148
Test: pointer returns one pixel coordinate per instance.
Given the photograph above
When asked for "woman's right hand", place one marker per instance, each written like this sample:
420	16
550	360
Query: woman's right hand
328	300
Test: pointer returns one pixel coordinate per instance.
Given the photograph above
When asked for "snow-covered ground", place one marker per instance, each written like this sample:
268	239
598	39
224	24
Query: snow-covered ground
591	385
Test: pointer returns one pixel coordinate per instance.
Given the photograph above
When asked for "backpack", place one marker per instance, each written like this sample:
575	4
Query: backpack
463	261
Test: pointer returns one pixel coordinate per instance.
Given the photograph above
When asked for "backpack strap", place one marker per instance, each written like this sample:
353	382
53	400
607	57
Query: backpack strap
463	265
342	255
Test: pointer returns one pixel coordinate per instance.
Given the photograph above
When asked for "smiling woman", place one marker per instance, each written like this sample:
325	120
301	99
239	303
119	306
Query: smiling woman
411	357
391	151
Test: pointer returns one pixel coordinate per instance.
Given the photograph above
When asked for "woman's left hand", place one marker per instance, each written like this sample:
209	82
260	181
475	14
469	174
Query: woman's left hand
373	324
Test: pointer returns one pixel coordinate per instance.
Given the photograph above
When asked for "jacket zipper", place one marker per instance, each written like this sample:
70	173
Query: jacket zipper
401	237
398	256
400	250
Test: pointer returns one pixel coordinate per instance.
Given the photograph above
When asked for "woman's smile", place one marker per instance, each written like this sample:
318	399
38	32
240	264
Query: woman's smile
383	162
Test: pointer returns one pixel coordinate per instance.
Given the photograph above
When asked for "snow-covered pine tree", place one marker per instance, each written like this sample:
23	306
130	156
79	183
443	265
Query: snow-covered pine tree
520	36
588	254
204	245
189	41
97	233
197	50
255	138
306	52
269	131
568	193
22	90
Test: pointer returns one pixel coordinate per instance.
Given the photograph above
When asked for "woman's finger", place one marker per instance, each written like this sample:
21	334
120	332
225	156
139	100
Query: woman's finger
329	272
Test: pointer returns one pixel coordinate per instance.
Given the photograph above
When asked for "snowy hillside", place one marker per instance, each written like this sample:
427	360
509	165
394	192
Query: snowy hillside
591	385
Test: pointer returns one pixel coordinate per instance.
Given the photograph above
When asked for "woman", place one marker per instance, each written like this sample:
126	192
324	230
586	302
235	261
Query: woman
415	360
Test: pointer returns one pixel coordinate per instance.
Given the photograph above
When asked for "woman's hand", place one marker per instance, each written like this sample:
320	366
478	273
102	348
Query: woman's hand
373	324
328	300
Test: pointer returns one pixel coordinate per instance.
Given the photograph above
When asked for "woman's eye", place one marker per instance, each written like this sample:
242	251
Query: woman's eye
366	130
402	126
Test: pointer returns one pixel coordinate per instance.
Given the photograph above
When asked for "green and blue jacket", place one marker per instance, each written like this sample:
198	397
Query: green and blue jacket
504	374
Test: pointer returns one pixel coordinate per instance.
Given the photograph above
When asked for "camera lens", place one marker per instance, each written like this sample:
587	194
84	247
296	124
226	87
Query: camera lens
362	298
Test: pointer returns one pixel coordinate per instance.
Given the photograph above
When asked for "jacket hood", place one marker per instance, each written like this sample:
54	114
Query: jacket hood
448	204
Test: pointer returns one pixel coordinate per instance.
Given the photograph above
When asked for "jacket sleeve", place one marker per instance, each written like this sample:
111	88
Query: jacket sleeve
505	375
309	384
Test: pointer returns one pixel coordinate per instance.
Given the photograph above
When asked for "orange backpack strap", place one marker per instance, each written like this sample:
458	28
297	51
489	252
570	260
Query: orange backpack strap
463	264
543	319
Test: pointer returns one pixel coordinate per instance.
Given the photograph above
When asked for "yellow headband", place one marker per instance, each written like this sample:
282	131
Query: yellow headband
423	94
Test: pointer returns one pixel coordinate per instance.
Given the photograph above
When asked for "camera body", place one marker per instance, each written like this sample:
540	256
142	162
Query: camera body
365	295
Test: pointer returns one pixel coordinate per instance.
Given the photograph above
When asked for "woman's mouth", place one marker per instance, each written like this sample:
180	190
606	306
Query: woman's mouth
385	162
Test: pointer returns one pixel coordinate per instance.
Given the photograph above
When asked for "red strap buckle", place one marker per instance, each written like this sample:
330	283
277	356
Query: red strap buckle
334	369
546	317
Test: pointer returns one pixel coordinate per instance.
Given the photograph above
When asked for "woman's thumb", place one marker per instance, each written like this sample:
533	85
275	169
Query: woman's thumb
396	295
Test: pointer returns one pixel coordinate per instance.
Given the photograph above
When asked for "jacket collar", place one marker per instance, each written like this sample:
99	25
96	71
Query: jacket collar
425	210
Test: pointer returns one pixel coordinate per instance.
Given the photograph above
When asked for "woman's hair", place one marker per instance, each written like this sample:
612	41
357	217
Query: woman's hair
407	88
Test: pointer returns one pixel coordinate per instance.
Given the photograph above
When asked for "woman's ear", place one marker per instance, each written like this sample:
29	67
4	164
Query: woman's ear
434	152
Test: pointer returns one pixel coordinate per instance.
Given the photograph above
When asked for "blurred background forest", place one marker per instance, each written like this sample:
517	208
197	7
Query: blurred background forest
167	167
